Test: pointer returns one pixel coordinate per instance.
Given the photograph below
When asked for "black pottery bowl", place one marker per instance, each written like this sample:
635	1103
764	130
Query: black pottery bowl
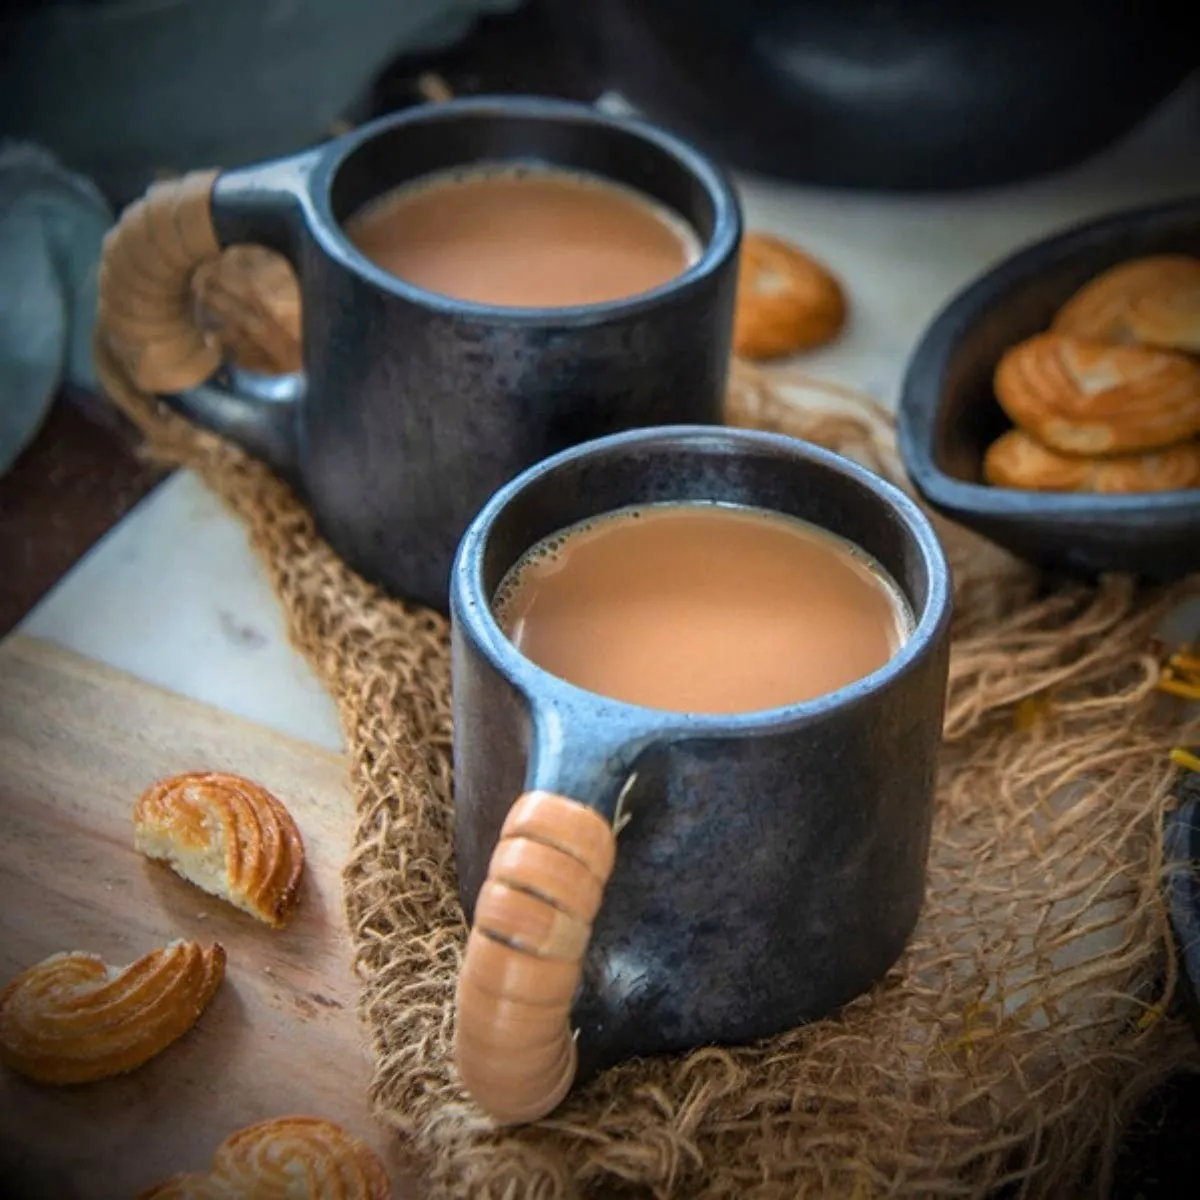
949	414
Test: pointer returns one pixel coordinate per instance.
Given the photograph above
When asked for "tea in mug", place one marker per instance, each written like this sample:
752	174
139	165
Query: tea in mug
703	608
527	237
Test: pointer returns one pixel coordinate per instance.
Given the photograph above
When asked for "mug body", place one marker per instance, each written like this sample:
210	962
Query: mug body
419	406
770	865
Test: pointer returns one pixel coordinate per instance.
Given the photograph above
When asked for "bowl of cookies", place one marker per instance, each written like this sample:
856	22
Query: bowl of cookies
1054	404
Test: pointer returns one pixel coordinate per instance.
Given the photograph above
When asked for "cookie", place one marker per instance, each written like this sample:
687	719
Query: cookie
72	1018
786	300
1153	301
1017	460
229	837
285	1159
1085	398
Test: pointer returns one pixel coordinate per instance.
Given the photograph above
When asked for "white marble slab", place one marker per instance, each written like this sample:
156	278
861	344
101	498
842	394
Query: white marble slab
903	257
174	595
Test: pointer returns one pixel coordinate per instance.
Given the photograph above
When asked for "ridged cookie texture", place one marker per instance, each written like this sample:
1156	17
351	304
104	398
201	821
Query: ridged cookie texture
1083	397
229	837
72	1018
1017	460
1151	301
289	1158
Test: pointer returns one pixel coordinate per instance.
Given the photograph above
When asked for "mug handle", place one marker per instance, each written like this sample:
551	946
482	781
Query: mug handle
146	315
514	1048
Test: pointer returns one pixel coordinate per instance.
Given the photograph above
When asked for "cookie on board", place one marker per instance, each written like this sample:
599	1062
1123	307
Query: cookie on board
226	835
72	1018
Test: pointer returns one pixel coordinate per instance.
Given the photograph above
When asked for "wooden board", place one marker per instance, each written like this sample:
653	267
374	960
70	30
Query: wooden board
78	743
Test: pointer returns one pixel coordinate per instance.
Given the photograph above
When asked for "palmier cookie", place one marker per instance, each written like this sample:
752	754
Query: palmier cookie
72	1018
228	836
286	1159
1017	460
1154	301
786	300
1082	397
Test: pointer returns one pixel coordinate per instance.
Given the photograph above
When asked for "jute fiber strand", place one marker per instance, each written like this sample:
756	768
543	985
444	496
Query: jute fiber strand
1028	1014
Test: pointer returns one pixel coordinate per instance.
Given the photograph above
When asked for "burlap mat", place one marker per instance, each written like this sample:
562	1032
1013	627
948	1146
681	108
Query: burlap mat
1027	1015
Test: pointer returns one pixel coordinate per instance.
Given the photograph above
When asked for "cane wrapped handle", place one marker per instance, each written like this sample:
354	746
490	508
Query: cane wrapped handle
514	1048
146	309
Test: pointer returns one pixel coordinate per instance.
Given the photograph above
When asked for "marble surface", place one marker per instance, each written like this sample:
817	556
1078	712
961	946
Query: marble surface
174	595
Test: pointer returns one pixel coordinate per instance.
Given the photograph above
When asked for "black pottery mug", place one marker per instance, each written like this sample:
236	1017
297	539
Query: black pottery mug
765	868
414	407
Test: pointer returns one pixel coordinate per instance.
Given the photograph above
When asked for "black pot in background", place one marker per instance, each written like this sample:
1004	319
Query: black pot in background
920	95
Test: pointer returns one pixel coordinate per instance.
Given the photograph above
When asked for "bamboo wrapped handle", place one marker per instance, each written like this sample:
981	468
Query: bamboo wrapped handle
146	310
514	1048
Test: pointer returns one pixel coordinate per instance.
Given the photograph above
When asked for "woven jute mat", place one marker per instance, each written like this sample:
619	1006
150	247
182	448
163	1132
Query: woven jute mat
1029	1013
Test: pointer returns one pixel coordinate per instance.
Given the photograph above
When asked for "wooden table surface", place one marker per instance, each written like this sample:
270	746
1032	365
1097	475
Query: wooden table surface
78	743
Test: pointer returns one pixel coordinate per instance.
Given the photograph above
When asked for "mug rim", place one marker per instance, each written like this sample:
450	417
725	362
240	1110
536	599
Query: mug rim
471	605
715	252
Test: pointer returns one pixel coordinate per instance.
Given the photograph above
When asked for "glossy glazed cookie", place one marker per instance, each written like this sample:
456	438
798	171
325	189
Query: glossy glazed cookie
1153	301
1083	397
228	836
1017	460
72	1018
786	300
289	1158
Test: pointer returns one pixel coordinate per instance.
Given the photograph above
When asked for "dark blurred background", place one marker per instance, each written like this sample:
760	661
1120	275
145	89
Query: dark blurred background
913	94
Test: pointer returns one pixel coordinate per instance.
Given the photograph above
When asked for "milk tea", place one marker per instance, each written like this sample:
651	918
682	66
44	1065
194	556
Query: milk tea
524	237
703	608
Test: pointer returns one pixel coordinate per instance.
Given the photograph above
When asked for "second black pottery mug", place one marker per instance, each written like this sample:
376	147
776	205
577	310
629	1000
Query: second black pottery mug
414	407
661	880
